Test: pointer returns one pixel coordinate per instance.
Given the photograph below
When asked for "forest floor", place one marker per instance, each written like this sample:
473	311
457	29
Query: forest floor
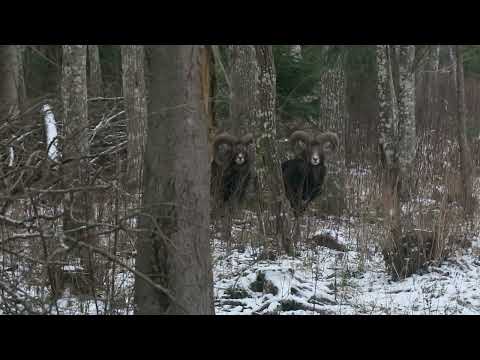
326	281
318	281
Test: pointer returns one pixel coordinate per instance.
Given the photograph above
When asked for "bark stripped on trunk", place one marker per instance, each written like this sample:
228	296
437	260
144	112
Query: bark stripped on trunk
174	250
133	58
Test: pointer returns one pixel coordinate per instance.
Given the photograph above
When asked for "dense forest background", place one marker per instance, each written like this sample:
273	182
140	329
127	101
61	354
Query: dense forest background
106	203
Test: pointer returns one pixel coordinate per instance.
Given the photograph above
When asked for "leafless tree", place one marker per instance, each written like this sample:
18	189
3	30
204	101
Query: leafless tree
78	211
269	173
174	250
397	131
243	93
136	109
466	165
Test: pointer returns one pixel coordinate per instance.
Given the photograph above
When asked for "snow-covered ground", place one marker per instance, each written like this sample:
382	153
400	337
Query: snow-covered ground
318	281
325	281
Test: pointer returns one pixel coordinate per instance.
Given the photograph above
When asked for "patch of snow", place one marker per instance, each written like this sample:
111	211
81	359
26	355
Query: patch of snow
11	156
51	130
324	281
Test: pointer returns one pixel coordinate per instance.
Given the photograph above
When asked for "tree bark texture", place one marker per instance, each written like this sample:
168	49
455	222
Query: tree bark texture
397	139
208	80
406	107
388	125
174	251
95	81
243	96
466	165
133	62
9	80
22	90
268	159
333	101
77	206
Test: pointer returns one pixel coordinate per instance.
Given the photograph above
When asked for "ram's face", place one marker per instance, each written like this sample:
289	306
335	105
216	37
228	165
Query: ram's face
241	155
315	157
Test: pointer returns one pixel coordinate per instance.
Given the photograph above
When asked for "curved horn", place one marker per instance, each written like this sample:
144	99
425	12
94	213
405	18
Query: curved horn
247	138
300	135
330	137
222	139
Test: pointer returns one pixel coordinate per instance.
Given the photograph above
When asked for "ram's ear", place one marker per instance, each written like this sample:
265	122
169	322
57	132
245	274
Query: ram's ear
247	139
300	140
223	153
301	144
329	142
223	147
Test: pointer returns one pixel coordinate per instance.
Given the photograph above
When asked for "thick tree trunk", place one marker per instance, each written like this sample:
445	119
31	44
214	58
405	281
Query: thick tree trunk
9	80
406	116
268	159
135	104
95	82
333	93
243	77
208	91
465	153
78	209
174	251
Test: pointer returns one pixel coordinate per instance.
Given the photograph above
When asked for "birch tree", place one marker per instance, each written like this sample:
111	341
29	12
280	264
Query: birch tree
397	132
174	251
